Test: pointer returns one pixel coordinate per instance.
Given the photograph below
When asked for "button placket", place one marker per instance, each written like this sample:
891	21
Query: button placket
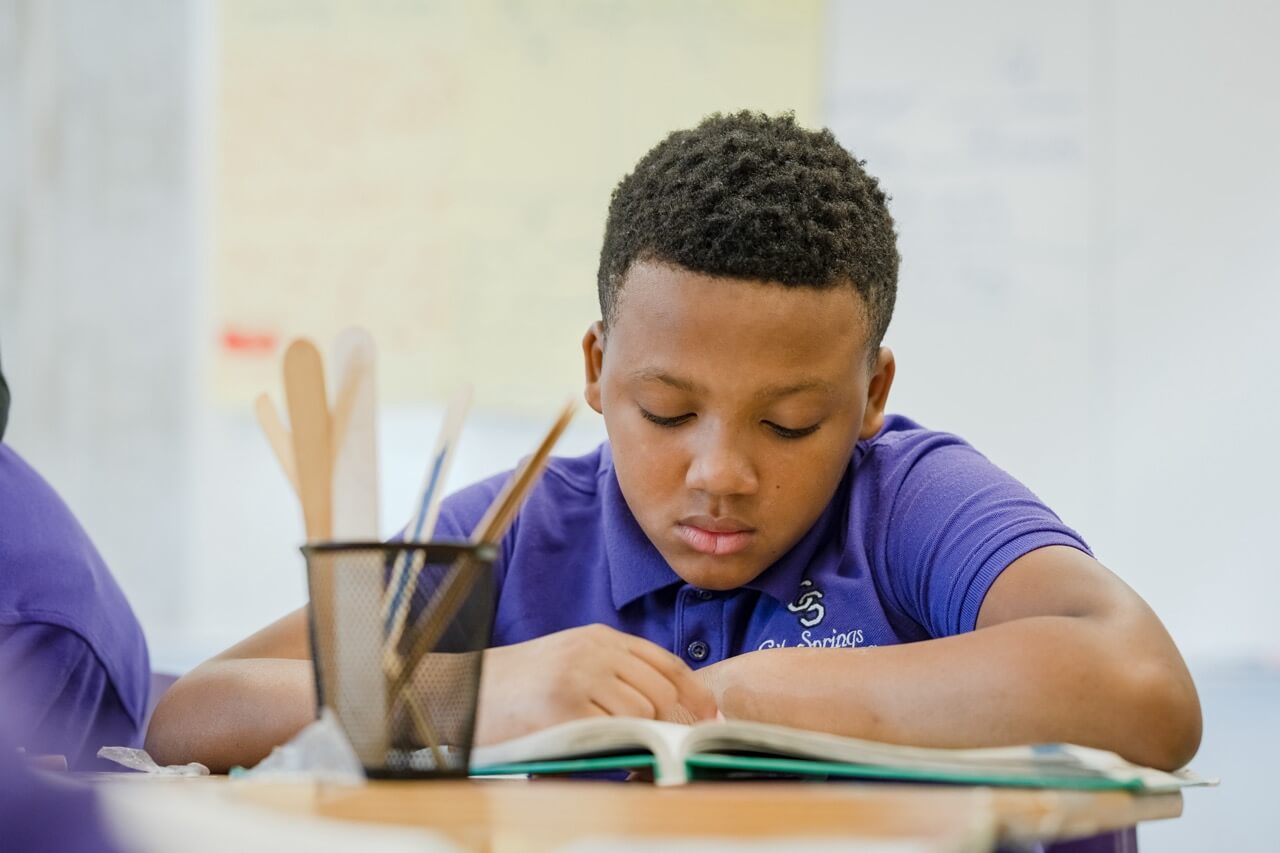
698	623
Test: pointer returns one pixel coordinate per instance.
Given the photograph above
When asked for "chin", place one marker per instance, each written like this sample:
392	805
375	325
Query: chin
715	573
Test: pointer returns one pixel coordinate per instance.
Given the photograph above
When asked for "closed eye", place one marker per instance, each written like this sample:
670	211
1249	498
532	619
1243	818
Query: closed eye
784	432
661	421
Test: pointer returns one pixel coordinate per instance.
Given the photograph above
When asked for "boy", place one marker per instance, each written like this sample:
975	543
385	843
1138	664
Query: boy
74	671
757	537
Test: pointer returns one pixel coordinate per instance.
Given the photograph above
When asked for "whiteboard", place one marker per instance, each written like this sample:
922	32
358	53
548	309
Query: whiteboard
440	172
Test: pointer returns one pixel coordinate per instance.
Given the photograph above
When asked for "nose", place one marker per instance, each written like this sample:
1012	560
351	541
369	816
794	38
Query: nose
721	466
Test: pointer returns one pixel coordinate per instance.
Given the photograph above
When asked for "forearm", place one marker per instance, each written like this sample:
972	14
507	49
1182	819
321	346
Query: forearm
229	712
1045	678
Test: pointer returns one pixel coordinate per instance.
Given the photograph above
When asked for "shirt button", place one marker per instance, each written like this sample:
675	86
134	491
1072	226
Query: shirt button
698	650
705	596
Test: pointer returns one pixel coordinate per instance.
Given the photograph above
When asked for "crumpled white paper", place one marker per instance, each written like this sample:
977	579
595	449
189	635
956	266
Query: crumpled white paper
139	759
321	752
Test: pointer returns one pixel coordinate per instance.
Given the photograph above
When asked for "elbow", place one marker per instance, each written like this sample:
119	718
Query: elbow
1168	722
163	735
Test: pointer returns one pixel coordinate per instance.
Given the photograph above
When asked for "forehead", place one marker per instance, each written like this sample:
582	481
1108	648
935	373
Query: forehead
689	324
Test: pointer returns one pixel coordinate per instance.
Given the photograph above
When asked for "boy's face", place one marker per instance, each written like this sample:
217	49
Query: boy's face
733	408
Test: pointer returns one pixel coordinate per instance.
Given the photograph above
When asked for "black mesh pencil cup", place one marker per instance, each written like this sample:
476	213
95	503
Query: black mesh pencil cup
397	636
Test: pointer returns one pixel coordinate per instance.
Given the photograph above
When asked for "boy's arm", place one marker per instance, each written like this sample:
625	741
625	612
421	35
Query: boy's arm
233	708
1064	651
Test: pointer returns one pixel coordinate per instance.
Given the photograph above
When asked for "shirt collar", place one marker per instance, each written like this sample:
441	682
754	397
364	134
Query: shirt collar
637	568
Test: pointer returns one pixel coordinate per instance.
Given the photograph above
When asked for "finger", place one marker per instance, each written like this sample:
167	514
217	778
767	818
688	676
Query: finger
692	693
620	699
681	714
654	684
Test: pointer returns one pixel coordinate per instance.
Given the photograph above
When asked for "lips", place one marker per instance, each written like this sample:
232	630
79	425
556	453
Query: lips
717	537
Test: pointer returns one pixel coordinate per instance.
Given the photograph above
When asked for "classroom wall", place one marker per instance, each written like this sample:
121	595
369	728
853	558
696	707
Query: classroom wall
1085	195
99	275
1083	191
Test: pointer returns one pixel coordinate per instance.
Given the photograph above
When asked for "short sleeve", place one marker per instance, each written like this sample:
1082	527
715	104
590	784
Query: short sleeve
59	698
954	522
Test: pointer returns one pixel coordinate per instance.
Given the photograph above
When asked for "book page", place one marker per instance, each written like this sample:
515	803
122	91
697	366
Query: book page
1032	762
595	736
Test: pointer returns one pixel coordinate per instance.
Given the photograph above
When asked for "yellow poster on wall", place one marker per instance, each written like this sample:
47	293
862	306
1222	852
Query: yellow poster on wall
439	172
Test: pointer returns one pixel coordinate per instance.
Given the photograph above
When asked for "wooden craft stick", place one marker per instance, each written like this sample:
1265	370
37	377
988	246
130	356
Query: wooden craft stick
355	436
278	437
312	449
313	456
357	579
457	584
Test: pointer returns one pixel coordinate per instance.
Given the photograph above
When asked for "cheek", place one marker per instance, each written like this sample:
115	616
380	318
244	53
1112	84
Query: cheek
649	461
802	481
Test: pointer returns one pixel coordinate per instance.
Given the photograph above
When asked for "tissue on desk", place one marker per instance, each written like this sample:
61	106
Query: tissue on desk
321	752
141	760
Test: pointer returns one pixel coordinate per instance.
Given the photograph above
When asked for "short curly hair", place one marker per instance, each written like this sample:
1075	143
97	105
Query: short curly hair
758	197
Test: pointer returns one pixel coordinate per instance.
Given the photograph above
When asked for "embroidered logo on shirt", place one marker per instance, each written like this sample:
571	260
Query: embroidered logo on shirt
809	602
838	639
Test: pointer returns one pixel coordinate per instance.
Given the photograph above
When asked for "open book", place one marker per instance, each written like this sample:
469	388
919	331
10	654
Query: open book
679	753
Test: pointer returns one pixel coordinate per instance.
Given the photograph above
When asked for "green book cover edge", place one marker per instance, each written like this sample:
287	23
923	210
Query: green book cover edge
699	764
569	765
805	767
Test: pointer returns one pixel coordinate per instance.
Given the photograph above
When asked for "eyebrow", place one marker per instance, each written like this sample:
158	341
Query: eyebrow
768	392
653	374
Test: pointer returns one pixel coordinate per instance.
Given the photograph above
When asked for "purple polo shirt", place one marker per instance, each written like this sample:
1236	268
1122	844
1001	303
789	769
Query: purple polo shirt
43	815
919	528
73	662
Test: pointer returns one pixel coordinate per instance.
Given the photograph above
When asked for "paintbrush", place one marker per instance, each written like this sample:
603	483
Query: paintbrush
421	527
457	584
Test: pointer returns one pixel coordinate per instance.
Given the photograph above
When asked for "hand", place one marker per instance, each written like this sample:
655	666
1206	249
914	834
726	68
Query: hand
592	671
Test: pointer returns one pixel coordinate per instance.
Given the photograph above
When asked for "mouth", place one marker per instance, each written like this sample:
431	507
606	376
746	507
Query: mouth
718	537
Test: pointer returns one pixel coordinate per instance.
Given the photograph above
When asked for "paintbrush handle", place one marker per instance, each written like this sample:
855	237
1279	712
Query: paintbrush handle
457	584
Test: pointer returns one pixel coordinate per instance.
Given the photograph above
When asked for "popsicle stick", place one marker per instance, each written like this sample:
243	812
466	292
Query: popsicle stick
457	584
357	646
422	525
312	449
278	437
355	436
313	456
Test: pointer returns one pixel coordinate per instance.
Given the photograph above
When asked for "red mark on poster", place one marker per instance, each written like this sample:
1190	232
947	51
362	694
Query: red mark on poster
247	342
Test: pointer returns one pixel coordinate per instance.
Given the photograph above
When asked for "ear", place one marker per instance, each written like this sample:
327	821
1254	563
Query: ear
593	358
878	393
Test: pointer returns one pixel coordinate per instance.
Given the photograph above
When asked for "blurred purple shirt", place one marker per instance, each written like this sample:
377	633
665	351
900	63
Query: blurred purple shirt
74	670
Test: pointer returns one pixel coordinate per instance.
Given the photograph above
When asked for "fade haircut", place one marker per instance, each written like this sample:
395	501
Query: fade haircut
756	197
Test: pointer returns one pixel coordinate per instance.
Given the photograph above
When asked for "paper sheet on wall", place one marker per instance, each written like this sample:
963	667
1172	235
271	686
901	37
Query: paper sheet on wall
439	172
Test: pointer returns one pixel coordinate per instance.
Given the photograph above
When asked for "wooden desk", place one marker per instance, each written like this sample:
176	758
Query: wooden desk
545	814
